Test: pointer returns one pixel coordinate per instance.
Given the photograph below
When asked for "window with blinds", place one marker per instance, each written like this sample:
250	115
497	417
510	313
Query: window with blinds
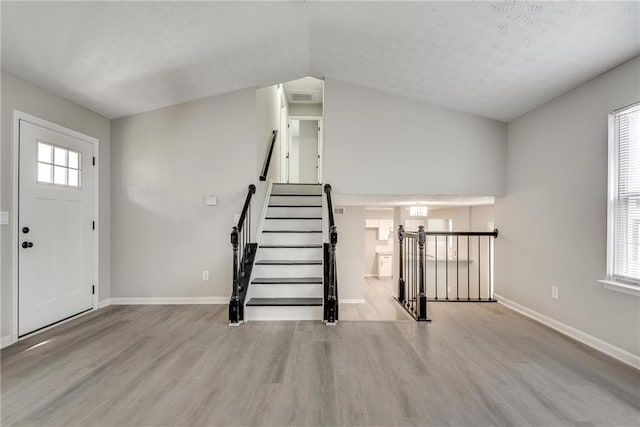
625	196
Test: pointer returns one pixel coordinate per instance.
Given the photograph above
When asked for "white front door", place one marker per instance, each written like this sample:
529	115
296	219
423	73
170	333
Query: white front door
55	227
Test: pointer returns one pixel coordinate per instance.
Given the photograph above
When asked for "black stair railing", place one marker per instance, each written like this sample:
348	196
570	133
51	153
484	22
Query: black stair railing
330	272
244	253
455	266
267	160
411	283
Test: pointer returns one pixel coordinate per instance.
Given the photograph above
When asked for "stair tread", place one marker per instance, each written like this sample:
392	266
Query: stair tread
295	206
292	231
280	302
283	280
296	195
289	262
286	246
296	183
293	217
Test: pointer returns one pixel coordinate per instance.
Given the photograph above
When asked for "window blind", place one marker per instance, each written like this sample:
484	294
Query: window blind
626	195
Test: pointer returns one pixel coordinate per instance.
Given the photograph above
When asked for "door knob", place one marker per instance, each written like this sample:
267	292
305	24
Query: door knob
26	245
25	230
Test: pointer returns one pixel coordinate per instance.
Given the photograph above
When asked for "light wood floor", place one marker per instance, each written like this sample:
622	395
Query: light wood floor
475	364
378	303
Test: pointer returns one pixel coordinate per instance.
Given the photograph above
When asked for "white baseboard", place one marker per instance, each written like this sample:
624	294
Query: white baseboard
168	300
351	301
609	349
6	341
104	303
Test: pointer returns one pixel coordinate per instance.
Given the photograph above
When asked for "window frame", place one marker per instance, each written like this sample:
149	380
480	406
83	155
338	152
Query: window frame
612	282
54	165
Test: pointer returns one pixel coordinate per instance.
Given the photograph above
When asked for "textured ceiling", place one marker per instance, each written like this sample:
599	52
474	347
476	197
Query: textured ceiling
494	59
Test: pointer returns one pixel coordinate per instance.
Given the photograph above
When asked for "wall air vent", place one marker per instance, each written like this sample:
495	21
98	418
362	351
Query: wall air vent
338	211
302	96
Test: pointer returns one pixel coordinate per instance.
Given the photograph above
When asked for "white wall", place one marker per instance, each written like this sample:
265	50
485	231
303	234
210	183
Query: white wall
305	110
350	253
552	220
21	95
268	120
164	163
402	146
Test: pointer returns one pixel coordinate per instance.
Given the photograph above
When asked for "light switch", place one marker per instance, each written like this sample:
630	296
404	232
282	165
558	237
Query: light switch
210	200
4	218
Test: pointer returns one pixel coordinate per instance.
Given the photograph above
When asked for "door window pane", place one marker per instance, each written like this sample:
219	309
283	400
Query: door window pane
60	175
74	160
44	173
60	156
45	153
74	178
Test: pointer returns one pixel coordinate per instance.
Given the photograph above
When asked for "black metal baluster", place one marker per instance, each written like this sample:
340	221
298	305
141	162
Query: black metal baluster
446	267
401	295
468	270
457	267
479	280
490	271
436	263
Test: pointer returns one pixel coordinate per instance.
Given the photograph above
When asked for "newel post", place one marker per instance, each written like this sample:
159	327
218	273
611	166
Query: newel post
234	304
401	284
422	297
331	297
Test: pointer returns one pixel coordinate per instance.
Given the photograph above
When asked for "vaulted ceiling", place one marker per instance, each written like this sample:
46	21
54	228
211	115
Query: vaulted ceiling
495	59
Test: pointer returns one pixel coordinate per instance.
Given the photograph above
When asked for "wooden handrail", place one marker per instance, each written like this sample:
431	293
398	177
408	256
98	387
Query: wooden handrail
327	189
267	160
245	208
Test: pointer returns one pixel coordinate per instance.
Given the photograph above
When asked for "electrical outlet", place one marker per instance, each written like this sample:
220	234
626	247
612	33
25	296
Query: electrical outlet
554	292
205	275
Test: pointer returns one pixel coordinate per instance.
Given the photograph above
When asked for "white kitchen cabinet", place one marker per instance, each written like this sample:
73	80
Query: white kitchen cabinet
384	229
385	265
371	223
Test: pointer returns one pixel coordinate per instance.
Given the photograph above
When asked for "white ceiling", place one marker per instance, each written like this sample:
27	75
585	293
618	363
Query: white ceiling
495	59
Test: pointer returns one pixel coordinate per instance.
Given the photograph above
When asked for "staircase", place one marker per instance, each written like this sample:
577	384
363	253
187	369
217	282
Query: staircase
287	277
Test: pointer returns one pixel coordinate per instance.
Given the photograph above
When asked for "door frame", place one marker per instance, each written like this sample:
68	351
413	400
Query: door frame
320	142
15	237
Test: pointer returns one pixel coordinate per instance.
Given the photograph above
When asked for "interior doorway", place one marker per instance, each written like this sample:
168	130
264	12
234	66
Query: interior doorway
304	150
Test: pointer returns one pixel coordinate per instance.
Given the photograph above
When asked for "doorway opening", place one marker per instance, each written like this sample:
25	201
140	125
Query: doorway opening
301	140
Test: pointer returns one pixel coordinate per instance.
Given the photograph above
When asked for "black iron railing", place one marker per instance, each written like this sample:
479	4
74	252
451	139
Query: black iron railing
444	266
330	272
244	252
411	283
267	160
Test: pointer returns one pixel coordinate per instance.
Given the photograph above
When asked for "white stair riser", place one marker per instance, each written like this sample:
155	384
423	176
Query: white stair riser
287	291
294	212
293	224
268	271
296	189
289	253
291	238
296	200
257	313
